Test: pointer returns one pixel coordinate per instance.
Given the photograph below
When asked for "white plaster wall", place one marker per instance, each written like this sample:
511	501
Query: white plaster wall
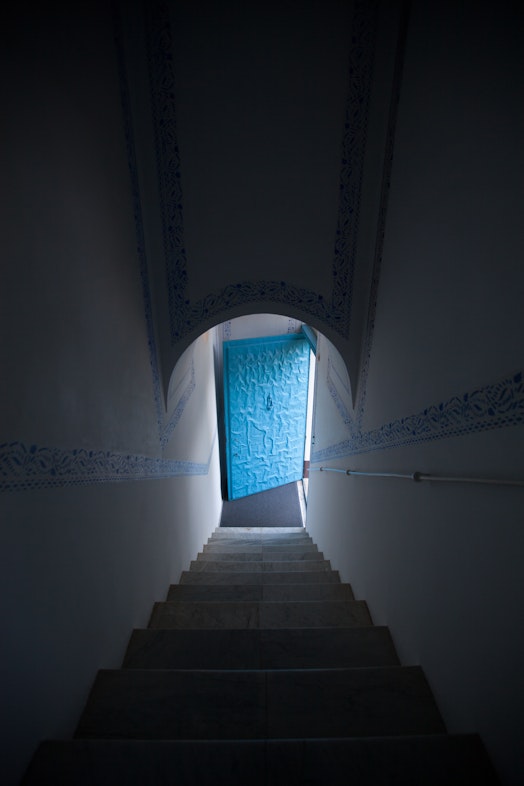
442	565
80	568
81	562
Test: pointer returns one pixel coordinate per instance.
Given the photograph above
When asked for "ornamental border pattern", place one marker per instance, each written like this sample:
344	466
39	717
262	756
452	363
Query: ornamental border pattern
343	410
494	406
137	214
383	206
335	311
32	467
180	407
25	468
165	426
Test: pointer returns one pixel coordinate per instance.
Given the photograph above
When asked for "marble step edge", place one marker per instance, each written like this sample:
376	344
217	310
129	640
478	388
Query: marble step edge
259	614
454	759
261	592
261	648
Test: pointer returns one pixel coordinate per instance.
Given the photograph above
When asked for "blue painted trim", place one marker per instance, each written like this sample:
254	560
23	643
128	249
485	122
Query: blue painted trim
344	412
162	82
180	407
31	467
311	337
185	316
165	429
494	406
283	338
27	467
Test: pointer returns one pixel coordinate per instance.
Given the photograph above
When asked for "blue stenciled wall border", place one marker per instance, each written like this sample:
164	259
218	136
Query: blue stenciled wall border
493	406
480	409
30	467
334	311
137	214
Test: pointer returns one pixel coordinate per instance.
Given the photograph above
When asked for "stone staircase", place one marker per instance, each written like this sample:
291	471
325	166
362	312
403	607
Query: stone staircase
261	669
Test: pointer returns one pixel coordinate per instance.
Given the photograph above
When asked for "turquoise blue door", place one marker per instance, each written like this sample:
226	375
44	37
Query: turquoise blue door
265	402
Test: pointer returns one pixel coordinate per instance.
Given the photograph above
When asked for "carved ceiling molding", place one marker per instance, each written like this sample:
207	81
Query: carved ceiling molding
333	311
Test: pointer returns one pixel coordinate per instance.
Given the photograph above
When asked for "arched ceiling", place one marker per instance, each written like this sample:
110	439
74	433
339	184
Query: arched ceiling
260	136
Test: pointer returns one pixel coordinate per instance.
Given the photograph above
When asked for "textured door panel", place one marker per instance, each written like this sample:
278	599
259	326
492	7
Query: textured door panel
265	391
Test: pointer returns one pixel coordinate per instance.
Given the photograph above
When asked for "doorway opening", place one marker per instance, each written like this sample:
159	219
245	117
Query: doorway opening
265	377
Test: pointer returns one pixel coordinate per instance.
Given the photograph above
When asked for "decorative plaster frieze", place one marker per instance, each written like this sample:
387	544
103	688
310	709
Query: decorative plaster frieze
494	406
30	467
333	311
334	382
180	406
165	426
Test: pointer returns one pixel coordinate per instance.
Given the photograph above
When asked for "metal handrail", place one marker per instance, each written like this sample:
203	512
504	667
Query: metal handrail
420	476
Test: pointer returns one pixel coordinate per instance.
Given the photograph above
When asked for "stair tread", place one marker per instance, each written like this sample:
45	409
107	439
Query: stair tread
269	531
259	614
261	648
260	577
268	546
263	592
260	566
260	555
378	761
167	704
261	668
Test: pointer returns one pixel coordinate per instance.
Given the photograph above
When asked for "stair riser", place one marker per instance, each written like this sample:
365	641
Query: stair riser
259	566
213	548
274	704
430	760
261	649
266	532
259	577
261	556
229	614
257	543
257	540
268	592
279	680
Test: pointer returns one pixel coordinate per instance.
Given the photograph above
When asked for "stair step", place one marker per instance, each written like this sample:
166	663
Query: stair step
269	565
238	578
424	760
260	532
261	669
254	548
171	704
260	556
256	540
259	592
254	543
253	614
261	649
